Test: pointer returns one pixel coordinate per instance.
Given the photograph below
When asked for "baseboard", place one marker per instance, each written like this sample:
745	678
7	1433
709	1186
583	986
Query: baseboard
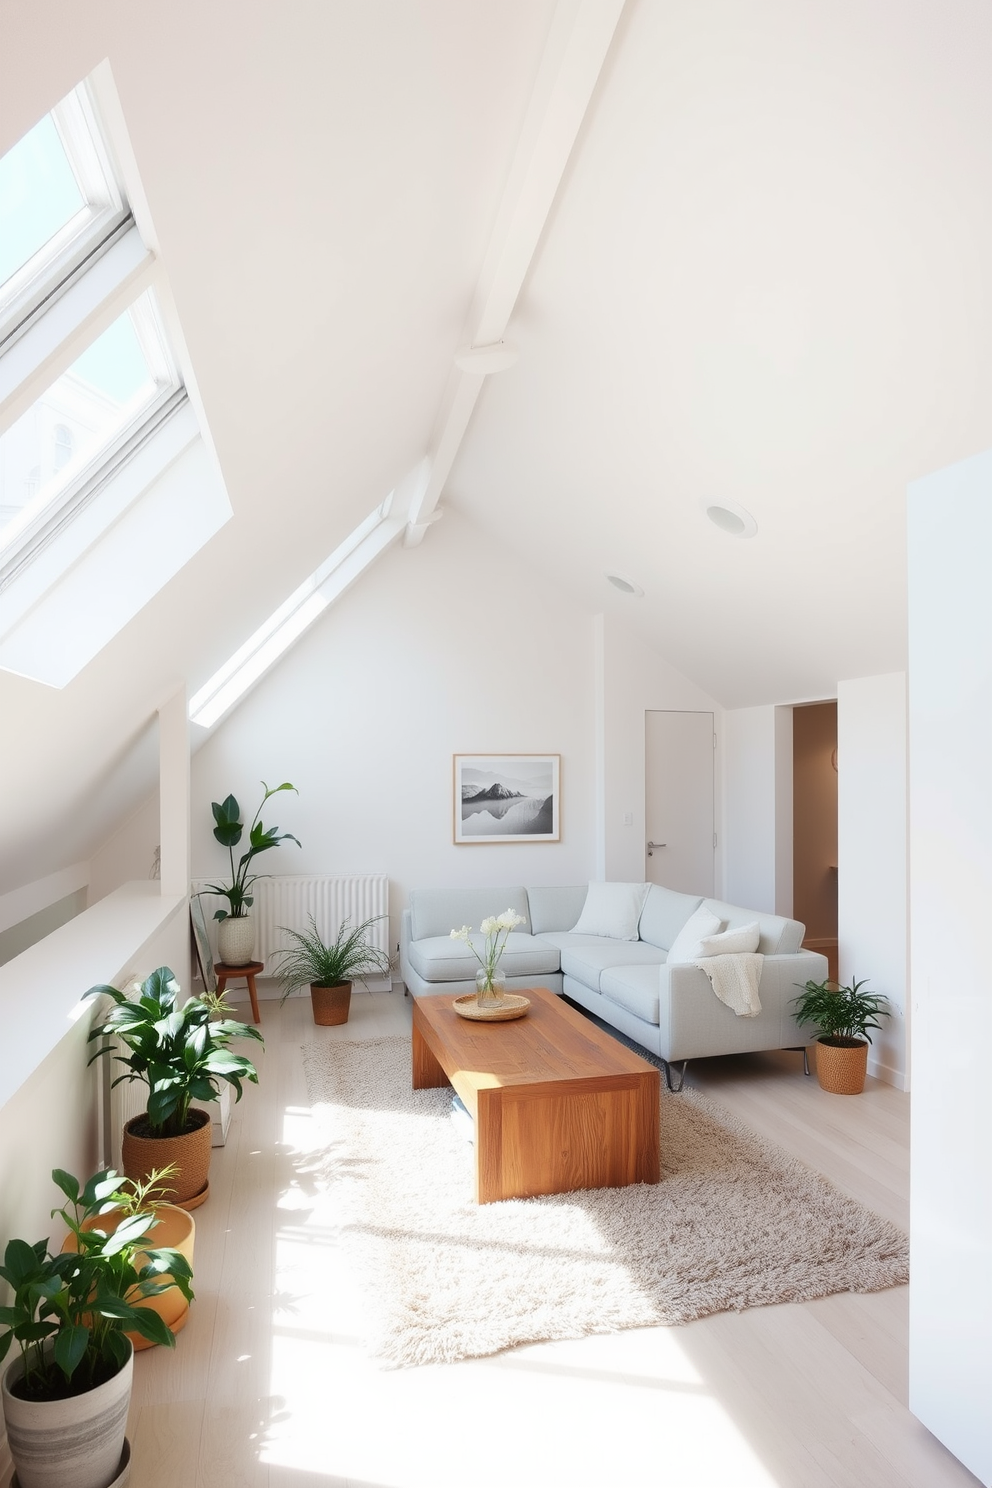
888	1074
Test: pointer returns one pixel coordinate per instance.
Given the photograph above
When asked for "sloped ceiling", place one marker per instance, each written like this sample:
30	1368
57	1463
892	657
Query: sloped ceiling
321	181
765	280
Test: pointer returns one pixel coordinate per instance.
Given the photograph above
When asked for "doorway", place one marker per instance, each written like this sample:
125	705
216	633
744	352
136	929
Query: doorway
814	826
678	800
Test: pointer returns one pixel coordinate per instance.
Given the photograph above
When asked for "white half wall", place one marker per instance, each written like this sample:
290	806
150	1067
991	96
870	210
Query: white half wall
872	902
950	792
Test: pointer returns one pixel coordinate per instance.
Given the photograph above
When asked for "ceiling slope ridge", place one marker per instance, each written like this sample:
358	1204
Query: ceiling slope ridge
578	42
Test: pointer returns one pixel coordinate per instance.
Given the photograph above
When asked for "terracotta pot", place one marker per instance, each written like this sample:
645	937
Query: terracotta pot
190	1153
236	940
330	1004
176	1230
842	1068
79	1441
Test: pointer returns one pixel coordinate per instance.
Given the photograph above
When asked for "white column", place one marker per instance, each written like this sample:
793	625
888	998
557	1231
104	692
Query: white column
173	747
950	792
872	908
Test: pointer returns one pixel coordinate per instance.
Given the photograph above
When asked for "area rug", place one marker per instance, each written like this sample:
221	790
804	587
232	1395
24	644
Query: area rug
735	1223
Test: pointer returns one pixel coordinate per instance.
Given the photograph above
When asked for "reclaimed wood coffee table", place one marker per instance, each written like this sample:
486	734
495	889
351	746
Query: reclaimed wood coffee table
557	1103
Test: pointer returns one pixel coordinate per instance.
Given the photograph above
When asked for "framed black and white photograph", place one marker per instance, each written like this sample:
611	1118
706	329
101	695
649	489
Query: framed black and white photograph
507	797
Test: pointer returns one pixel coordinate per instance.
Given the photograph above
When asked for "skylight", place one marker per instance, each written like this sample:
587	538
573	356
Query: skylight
39	194
295	615
61	206
76	423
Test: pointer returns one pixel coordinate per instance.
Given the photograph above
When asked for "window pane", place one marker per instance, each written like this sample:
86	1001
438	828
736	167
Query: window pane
38	195
100	395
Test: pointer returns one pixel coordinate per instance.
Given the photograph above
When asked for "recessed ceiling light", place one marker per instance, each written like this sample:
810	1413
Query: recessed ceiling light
485	359
625	585
731	518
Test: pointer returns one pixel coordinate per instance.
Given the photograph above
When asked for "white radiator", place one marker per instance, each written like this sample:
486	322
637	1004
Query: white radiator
289	900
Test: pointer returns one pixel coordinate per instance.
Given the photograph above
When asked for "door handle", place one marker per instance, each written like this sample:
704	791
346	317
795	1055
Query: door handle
653	845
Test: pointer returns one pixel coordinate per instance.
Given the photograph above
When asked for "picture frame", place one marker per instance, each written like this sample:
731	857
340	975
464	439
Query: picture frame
201	942
506	798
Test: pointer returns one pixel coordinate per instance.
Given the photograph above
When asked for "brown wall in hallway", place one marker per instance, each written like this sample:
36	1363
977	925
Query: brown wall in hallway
814	740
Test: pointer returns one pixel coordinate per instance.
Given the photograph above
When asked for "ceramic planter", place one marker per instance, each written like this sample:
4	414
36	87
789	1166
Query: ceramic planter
190	1153
331	1005
236	940
176	1230
842	1068
74	1443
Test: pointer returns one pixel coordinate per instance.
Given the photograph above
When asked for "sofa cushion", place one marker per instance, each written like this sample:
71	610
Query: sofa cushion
439	911
634	988
438	958
779	936
687	945
612	909
665	912
731	942
586	961
555	908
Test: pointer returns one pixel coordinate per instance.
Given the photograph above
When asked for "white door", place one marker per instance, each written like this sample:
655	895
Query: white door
678	789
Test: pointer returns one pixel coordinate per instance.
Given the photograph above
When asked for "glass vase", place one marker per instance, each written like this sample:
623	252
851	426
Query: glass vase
490	987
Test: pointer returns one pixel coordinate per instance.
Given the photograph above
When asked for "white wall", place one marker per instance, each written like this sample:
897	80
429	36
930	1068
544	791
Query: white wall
950	726
451	647
750	801
873	926
635	679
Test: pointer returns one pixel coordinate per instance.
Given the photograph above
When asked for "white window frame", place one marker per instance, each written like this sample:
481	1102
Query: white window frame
104	217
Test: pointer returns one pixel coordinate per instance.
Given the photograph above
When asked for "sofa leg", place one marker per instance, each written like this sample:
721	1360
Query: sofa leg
804	1051
668	1076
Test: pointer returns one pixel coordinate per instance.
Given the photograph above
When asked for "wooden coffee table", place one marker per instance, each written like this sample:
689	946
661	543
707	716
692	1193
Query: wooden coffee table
558	1104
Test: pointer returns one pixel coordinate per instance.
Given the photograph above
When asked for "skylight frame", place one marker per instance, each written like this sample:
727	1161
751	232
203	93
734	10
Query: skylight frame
104	217
30	531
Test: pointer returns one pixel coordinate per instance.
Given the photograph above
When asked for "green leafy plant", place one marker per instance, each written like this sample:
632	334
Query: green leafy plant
312	961
842	1016
228	830
138	1195
179	1052
69	1312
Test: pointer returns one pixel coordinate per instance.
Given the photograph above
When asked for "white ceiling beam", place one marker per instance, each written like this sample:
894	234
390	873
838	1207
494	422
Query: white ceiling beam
576	49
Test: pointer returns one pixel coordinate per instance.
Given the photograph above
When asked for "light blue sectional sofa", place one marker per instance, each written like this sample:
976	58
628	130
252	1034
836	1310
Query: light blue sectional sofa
670	1010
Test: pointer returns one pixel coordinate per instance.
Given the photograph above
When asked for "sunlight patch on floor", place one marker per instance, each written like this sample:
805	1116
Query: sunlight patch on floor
629	1409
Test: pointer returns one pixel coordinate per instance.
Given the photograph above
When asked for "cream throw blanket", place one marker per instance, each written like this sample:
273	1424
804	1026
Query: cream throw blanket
734	978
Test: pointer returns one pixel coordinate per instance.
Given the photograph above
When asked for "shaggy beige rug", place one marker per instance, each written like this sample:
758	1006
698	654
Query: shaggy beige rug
734	1223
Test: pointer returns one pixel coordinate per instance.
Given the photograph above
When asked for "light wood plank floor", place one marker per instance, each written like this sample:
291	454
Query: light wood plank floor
269	1388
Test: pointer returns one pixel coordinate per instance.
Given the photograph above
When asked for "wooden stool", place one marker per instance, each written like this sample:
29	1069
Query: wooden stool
236	973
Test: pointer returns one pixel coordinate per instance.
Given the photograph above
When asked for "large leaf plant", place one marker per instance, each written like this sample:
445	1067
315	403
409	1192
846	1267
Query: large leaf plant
181	1053
228	829
69	1312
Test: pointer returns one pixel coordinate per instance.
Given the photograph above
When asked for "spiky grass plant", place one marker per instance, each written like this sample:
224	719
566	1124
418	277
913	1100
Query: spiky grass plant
842	1016
311	961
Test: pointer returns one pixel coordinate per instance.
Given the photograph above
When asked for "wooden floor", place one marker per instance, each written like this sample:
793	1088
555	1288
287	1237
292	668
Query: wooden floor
268	1385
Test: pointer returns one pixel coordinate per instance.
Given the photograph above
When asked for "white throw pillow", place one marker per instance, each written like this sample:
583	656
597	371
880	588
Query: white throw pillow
612	909
743	938
685	946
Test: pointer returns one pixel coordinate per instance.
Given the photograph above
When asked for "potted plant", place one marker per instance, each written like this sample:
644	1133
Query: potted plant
236	933
180	1053
174	1228
330	967
842	1017
66	1394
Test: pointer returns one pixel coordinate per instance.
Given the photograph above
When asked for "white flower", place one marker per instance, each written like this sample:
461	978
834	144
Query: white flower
489	925
462	934
508	920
